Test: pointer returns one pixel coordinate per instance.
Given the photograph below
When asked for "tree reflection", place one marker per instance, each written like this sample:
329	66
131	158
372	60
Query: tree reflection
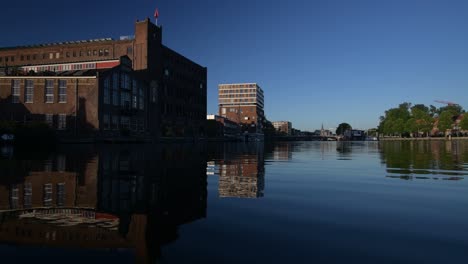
435	159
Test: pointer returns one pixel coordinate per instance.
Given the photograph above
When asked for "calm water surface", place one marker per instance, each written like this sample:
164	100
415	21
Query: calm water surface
300	202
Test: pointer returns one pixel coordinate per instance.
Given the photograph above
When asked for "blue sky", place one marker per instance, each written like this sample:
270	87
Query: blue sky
318	61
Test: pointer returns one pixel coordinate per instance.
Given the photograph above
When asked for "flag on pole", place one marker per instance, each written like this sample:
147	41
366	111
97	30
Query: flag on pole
156	13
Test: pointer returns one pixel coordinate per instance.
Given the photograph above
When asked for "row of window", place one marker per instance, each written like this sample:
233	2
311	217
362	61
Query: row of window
228	91
224	101
132	95
56	55
251	95
29	91
250	85
61	121
46	194
116	122
64	67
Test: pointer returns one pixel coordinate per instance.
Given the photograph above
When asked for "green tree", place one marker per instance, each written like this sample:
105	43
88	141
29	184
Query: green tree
464	122
342	128
455	109
445	120
423	121
432	110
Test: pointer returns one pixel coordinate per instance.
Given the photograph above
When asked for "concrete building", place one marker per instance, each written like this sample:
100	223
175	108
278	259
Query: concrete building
243	103
173	88
283	127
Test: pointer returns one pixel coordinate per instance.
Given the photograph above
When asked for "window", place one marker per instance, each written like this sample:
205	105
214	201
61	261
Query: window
60	194
115	122
1	59
89	53
101	53
34	56
134	95
81	53
57	55
22	58
27	195
115	89
106	122
106	52
67	54
74	53
49	119
134	124
154	94
129	50
15	91
142	98
62	122
12	58
61	163
29	92
94	52
62	91
141	124
49	91
51	55
125	79
14	196
28	57
125	100
107	91
48	194
125	122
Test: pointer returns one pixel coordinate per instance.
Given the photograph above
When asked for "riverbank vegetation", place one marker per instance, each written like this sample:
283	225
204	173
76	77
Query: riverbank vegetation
419	120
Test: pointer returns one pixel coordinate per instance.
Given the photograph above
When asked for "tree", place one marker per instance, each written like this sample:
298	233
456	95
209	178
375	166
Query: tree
464	122
432	110
445	120
342	128
455	109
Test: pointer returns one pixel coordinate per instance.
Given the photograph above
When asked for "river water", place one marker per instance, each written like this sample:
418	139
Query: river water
298	202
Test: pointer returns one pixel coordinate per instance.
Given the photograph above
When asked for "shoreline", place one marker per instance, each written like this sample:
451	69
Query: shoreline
424	139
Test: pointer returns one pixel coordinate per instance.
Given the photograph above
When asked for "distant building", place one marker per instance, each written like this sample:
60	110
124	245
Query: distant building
243	103
283	127
222	127
172	93
354	134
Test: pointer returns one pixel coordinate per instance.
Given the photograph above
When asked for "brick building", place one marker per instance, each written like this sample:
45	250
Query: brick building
168	89
244	104
283	127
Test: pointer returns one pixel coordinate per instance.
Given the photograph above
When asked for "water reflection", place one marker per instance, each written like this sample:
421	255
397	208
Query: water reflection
422	160
114	197
241	170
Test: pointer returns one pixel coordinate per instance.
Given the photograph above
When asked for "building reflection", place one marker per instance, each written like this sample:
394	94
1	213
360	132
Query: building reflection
115	197
283	151
241	170
425	160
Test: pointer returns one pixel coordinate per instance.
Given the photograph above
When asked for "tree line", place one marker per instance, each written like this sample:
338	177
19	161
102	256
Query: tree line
419	120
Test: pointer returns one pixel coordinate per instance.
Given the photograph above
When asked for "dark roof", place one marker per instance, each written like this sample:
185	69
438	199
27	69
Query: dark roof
63	43
166	49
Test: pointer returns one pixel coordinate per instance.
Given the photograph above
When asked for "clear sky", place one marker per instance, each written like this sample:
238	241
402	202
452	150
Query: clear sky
318	61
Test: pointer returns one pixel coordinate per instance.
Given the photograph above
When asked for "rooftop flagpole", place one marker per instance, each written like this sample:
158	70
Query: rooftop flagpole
156	16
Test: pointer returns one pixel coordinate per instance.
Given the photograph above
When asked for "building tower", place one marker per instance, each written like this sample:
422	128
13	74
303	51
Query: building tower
244	104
